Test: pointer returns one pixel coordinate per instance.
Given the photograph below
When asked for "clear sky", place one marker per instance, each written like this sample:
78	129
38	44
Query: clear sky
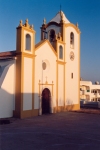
85	12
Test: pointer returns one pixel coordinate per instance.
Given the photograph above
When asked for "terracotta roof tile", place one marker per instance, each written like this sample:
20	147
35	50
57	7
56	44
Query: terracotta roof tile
7	55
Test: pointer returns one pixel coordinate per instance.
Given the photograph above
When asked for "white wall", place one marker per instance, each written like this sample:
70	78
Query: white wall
60	85
27	80
7	89
45	54
72	87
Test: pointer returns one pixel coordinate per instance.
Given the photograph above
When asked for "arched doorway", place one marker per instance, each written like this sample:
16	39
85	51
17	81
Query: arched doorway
46	101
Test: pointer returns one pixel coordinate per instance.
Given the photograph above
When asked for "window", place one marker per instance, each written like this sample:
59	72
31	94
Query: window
72	75
51	35
28	42
72	40
44	65
60	52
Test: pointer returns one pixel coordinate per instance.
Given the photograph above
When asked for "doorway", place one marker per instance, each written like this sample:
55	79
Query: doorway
46	96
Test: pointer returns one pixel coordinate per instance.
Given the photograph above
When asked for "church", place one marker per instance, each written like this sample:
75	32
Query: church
41	78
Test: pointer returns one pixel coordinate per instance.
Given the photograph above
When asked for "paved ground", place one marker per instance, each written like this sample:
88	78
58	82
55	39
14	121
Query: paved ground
61	131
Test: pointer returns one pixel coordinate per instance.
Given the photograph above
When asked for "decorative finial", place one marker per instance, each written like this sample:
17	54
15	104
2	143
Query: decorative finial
56	36
31	26
62	17
44	21
26	22
77	25
46	81
60	7
59	35
20	24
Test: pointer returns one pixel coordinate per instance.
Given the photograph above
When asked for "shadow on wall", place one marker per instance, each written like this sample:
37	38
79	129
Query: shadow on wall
70	105
7	103
3	72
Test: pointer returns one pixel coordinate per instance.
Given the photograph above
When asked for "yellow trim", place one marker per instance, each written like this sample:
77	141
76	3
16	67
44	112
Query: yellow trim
22	69
33	82
29	113
26	54
27	29
18	88
21	54
52	88
20	39
42	43
40	84
56	86
63	31
64	78
79	69
39	44
66	108
45	84
60	62
72	107
60	41
57	49
72	25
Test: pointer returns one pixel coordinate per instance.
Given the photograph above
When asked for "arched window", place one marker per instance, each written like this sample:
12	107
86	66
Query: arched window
51	35
72	40
28	42
60	52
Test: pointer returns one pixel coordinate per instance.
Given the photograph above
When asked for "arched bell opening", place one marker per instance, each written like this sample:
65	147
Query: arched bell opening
51	36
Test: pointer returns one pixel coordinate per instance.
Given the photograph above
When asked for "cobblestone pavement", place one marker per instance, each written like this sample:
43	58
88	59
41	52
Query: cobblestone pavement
61	131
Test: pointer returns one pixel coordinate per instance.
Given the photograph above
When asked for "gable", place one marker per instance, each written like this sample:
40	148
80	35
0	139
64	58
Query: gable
45	44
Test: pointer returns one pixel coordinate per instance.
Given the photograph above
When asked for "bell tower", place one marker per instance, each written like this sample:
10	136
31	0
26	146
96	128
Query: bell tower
24	89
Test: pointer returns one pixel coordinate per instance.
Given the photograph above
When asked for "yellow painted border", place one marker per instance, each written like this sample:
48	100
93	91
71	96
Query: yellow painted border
72	25
60	62
42	43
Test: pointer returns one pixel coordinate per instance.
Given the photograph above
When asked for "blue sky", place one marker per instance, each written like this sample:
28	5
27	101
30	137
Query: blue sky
85	12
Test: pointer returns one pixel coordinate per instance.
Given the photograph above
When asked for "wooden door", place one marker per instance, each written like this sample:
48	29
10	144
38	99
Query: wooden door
45	101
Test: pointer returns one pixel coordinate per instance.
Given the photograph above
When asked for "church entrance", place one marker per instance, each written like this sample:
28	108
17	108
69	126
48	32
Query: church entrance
46	101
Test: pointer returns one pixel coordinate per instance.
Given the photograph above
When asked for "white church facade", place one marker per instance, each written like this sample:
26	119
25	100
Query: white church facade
45	77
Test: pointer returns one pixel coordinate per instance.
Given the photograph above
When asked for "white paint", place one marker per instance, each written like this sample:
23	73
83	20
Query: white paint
57	18
72	87
27	82
60	85
45	53
7	90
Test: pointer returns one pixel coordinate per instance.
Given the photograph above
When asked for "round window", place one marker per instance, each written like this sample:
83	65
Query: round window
44	65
